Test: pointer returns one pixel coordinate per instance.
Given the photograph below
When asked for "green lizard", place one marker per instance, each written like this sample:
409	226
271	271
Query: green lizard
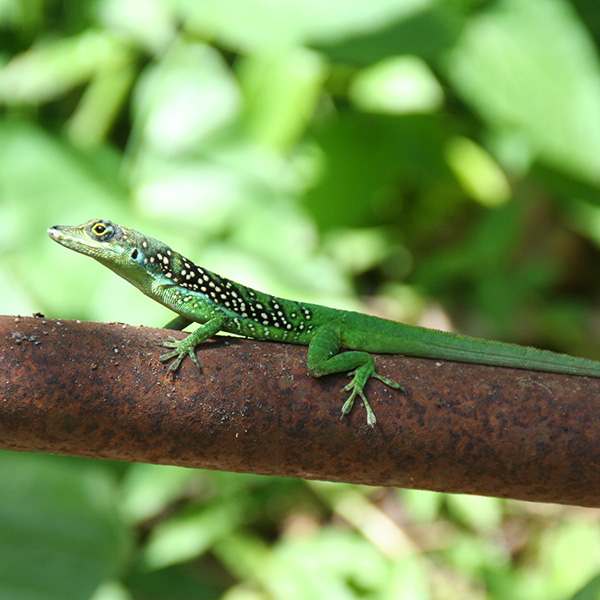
218	304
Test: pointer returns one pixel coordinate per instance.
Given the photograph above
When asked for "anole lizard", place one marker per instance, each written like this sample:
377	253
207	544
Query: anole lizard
218	304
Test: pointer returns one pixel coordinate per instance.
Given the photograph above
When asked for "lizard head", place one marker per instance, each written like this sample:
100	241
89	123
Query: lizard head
137	258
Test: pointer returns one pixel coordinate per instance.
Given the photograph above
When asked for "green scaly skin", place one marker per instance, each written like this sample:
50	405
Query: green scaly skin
218	304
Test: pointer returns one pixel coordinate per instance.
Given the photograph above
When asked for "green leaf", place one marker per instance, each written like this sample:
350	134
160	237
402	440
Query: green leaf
531	69
176	96
48	70
425	29
397	85
479	512
272	24
59	530
365	156
281	93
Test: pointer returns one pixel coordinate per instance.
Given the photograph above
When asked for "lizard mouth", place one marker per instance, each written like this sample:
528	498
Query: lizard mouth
64	237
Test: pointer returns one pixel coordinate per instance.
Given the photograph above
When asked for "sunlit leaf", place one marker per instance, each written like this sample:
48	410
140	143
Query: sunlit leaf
531	68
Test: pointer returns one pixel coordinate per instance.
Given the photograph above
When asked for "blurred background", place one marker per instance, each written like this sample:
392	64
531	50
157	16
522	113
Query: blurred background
436	162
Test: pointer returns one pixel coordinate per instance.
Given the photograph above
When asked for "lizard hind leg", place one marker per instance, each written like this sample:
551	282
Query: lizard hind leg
324	359
360	376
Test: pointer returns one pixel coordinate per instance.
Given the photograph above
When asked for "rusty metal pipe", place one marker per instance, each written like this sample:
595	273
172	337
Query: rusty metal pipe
98	390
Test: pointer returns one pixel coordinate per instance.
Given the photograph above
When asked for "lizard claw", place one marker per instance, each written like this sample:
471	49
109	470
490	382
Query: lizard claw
170	342
179	353
356	387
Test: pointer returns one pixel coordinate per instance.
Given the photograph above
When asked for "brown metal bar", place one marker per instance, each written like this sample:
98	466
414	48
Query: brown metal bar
98	390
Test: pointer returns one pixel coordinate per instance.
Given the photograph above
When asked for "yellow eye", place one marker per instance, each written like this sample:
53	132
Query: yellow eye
99	229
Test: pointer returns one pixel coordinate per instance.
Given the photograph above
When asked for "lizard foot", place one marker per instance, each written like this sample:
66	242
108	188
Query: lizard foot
183	348
360	377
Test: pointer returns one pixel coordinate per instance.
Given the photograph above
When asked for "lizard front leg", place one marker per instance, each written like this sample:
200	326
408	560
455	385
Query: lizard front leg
179	323
188	344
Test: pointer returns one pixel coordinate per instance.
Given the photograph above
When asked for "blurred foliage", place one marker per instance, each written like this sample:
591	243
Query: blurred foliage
439	160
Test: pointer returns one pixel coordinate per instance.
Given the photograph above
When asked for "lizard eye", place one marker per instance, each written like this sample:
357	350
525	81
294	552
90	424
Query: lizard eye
102	230
134	253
